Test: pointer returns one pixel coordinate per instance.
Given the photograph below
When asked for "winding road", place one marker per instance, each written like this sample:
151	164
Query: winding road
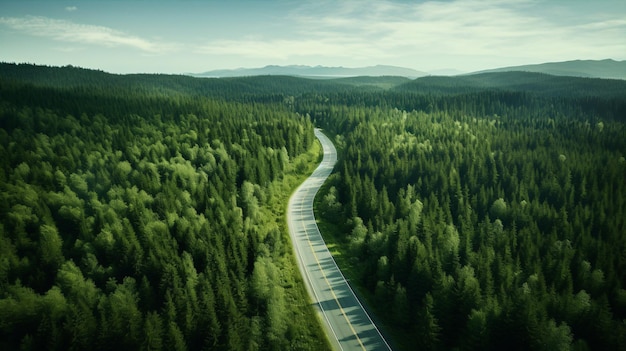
347	324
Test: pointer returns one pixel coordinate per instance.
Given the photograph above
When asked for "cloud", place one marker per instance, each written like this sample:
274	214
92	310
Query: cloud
283	49
451	27
71	8
382	30
67	31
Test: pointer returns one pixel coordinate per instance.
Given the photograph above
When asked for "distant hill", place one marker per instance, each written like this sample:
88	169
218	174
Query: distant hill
317	71
382	82
539	83
610	69
447	72
76	78
241	88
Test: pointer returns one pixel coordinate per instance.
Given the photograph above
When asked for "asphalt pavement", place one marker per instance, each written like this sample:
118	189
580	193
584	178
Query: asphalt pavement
346	322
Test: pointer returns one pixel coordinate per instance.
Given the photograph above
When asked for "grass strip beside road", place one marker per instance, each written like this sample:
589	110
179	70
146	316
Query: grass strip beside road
310	334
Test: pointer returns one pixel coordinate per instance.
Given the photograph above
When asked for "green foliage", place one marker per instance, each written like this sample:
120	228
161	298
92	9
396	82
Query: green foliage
541	83
483	220
498	209
146	211
134	218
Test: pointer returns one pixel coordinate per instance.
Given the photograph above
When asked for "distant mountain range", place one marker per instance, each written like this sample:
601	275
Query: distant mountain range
315	72
607	69
517	81
541	84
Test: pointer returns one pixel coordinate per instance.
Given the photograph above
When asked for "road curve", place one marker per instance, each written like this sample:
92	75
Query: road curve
348	325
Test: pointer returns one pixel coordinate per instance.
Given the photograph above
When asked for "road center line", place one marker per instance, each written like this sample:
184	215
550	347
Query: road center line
332	291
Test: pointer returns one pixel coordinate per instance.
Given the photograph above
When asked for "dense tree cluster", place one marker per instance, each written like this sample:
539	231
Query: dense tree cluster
484	221
243	89
150	224
544	84
145	211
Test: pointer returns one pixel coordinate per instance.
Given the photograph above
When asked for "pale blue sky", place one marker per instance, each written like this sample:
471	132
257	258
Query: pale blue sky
196	36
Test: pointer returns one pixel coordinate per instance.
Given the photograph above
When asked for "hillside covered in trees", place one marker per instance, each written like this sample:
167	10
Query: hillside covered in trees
480	212
149	221
483	221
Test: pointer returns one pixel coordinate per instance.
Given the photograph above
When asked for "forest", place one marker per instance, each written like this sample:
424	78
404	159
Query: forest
147	211
484	220
149	221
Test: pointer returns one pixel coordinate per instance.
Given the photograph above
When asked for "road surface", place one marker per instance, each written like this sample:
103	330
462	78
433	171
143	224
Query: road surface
347	324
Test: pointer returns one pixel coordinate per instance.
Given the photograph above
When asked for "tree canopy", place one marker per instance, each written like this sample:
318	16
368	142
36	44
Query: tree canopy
144	220
146	211
483	220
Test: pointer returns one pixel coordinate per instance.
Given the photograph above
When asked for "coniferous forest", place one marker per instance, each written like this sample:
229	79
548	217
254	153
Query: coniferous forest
148	221
484	221
147	211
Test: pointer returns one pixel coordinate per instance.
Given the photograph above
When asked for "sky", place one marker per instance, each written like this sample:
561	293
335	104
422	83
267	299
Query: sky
193	36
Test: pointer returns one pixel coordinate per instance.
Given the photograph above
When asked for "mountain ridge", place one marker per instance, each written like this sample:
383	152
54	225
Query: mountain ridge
605	69
69	77
518	81
315	71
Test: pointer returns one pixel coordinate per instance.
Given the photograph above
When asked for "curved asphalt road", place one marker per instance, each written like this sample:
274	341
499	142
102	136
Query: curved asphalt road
346	322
